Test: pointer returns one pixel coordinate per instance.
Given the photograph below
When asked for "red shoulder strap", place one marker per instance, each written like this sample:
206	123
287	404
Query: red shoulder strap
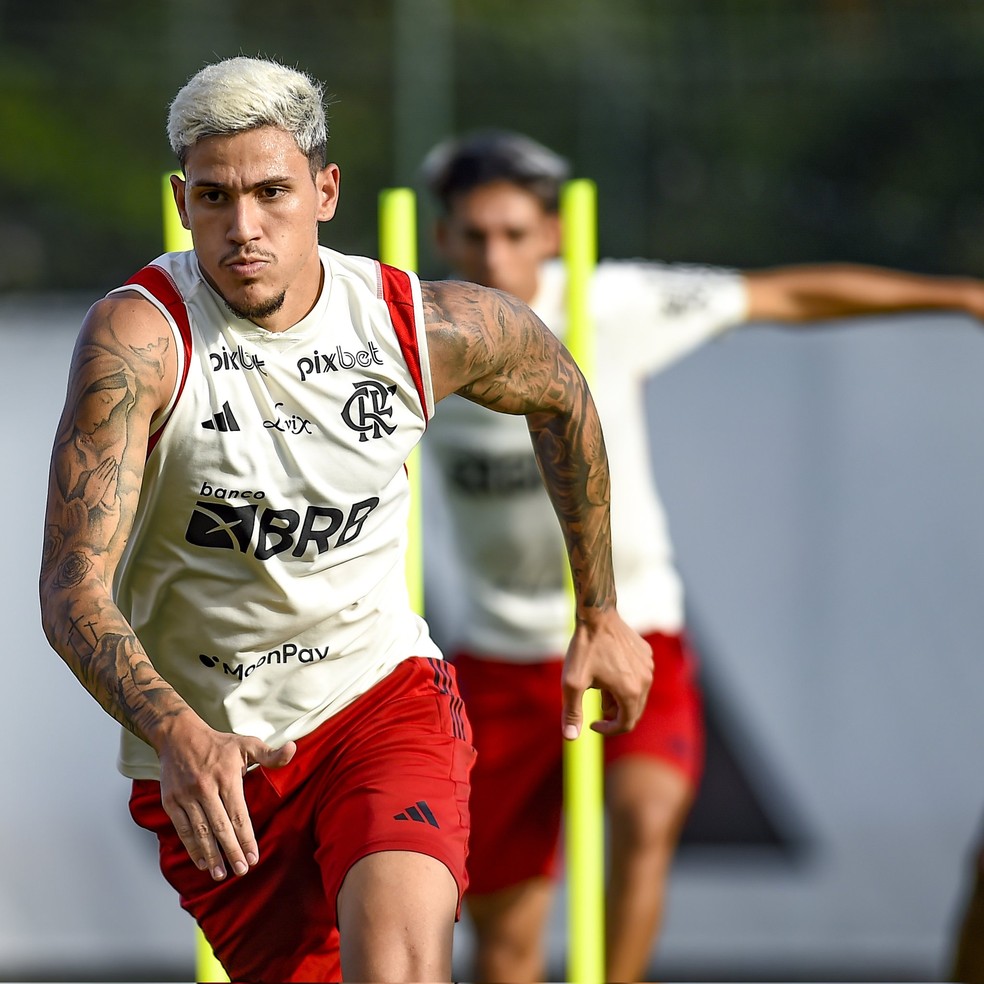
398	294
157	282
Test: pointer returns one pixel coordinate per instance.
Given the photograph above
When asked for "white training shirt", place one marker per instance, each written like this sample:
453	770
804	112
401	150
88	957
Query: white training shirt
265	571
507	540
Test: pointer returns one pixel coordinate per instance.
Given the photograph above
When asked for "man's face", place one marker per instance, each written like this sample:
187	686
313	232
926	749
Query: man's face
497	235
253	210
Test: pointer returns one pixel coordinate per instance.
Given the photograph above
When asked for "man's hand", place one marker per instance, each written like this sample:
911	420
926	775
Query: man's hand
606	654
202	792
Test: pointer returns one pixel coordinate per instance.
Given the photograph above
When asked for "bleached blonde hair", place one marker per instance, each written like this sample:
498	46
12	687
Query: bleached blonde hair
240	94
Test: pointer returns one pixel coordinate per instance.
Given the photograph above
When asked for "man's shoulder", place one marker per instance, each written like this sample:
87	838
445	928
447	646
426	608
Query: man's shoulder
463	303
646	274
662	270
673	288
365	270
138	314
169	279
128	311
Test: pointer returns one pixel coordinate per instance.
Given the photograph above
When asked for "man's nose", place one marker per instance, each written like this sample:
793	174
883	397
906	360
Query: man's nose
496	252
244	225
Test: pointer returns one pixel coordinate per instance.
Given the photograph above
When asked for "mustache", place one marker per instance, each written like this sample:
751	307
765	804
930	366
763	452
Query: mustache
238	256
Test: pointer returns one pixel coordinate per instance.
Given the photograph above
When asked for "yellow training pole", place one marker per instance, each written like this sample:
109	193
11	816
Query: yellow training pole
176	239
207	966
398	247
584	825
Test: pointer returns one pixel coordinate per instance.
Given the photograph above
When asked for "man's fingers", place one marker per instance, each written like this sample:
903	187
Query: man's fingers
217	835
232	829
617	716
612	716
611	726
259	753
202	790
195	832
572	716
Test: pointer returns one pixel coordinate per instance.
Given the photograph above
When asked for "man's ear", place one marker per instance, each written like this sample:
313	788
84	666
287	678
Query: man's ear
441	235
552	234
327	182
178	186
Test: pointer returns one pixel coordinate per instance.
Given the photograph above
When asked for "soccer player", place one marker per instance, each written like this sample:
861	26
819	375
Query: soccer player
498	192
224	553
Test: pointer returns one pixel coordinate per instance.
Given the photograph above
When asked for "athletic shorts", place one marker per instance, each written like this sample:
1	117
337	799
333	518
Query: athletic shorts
390	772
517	783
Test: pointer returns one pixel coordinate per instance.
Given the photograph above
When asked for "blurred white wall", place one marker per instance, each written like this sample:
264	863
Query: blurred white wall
827	498
80	891
826	495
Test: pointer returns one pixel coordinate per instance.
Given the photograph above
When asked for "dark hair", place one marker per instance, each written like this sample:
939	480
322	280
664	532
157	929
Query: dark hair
460	164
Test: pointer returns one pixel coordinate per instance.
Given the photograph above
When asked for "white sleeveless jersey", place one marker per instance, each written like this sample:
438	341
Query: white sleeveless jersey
265	571
508	544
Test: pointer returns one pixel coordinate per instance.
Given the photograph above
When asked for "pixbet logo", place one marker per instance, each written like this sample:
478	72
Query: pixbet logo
338	358
238	360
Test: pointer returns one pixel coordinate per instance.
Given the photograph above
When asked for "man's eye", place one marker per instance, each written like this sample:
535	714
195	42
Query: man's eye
211	196
271	193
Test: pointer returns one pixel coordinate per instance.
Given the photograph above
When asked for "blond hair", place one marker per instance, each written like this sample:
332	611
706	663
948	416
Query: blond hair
240	94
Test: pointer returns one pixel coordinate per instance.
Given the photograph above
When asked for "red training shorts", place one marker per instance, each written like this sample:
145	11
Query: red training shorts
517	783
387	773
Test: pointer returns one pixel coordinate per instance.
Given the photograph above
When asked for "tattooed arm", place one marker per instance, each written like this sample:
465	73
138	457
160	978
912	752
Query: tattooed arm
492	349
123	372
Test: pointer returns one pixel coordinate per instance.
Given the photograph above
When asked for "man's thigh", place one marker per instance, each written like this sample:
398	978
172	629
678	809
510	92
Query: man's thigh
389	772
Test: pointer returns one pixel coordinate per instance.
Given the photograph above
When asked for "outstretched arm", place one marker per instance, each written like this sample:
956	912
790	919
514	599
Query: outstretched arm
815	292
491	349
122	371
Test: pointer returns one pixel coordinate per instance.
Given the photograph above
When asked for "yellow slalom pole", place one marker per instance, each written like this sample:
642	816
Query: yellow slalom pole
176	239
584	823
398	247
207	966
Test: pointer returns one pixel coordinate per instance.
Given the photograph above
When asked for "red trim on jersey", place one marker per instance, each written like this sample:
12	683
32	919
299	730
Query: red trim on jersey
159	283
398	294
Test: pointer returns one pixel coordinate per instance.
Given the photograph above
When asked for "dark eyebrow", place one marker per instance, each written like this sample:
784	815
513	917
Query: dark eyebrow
265	183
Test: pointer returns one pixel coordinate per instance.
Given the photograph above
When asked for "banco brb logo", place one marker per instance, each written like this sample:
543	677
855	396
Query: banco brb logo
264	532
367	406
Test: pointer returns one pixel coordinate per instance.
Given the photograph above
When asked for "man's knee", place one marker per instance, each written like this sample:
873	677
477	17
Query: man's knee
509	930
518	912
396	912
648	801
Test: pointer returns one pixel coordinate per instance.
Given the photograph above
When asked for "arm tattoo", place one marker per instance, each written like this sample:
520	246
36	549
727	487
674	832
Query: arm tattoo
490	348
96	472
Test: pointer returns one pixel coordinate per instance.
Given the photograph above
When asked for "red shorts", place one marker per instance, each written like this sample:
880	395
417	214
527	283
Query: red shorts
517	782
387	773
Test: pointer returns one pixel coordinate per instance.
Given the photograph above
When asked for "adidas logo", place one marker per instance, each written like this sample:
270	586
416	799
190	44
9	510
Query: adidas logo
420	813
224	420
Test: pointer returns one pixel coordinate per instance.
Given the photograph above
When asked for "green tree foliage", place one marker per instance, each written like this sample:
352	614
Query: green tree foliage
743	132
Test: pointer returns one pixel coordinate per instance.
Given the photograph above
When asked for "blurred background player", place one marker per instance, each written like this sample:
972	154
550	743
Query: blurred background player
499	226
968	954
